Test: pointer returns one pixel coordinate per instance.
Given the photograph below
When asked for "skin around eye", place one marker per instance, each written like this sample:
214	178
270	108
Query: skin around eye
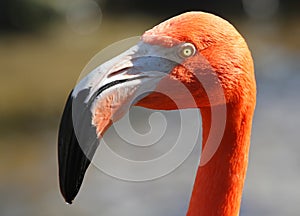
187	50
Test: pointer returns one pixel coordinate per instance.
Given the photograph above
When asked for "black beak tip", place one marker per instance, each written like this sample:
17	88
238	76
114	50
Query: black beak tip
69	201
68	197
72	161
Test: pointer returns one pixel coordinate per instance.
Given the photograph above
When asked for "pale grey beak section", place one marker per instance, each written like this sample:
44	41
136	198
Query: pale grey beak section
101	98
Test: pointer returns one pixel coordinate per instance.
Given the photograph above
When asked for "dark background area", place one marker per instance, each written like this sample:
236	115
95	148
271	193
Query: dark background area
29	15
169	7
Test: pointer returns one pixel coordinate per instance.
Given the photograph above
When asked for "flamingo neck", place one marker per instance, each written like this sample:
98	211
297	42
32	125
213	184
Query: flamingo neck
219	182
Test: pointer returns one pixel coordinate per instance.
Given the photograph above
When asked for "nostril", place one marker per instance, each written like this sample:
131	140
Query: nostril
102	88
120	71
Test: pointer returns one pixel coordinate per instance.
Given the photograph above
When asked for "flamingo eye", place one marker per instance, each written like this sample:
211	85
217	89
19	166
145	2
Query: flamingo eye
187	50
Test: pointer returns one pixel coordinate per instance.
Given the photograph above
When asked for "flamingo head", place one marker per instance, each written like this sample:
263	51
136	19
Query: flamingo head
192	60
216	66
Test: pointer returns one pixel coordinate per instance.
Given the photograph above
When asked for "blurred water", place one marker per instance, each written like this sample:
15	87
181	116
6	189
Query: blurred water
273	180
28	167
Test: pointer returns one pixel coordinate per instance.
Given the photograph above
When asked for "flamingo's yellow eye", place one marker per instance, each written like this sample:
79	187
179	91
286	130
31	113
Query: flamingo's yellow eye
187	50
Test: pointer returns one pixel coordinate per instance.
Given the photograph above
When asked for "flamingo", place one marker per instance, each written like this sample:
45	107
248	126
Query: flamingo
198	50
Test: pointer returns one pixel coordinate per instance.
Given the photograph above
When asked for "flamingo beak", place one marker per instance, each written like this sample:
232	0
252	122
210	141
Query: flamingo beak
101	98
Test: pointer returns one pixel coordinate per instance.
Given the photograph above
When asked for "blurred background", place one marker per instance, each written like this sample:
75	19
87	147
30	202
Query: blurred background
45	44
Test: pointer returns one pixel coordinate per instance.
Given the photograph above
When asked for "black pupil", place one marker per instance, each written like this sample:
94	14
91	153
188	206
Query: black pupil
187	51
